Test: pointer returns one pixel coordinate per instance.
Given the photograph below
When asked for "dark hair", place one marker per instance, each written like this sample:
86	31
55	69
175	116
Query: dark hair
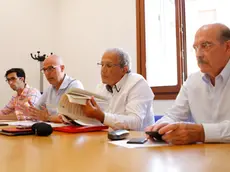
225	35
19	72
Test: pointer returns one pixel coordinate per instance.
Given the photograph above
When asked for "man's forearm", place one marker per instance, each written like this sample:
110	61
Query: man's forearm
10	116
118	121
197	132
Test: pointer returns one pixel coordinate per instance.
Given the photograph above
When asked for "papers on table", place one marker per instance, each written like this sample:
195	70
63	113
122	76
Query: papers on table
149	143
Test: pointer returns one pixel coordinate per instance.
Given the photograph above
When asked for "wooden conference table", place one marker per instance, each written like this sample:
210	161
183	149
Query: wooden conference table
86	152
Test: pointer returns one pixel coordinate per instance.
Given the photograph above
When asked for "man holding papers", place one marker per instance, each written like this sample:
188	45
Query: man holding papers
46	107
205	96
16	79
130	97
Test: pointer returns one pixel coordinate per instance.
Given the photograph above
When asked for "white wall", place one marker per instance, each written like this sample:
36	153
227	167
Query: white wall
78	30
88	28
26	26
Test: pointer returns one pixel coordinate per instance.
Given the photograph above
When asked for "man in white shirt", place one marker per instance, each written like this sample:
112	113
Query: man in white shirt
130	97
205	96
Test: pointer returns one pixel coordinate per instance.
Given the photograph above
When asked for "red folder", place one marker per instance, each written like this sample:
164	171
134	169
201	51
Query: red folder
79	129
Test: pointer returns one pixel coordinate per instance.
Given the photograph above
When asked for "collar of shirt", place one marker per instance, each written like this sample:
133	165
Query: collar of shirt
65	82
224	74
120	83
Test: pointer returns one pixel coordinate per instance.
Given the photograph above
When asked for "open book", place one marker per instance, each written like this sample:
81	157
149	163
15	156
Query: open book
70	106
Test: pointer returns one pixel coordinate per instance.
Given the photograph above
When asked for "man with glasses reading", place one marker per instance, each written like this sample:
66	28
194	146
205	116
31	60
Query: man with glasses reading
16	77
130	97
205	96
46	107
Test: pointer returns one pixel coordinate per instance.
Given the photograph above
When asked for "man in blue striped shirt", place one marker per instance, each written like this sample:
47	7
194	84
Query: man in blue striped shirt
60	82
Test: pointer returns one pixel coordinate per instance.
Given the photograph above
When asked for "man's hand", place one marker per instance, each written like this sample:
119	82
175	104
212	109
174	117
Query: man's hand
55	118
92	110
155	127
37	114
180	133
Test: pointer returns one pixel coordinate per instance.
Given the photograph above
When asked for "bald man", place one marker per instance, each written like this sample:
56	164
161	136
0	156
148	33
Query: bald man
205	96
46	107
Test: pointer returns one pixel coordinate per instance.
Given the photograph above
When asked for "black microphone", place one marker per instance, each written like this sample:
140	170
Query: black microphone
42	129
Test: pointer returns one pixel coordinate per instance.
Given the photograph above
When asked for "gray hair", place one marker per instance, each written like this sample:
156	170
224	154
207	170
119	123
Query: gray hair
225	34
124	57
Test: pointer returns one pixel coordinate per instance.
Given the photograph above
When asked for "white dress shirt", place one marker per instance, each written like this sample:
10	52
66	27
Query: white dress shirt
130	104
207	104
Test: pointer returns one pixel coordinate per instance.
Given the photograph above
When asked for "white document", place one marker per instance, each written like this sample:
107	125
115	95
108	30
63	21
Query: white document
149	143
70	106
79	96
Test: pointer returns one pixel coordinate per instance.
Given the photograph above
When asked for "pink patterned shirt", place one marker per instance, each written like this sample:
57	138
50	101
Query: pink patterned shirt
17	101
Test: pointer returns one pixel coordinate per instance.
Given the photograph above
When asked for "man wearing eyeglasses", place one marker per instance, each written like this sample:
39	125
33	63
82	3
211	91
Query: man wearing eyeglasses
205	96
46	107
15	77
130	97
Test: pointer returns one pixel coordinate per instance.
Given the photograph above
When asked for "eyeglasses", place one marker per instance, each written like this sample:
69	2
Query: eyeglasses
107	65
203	46
11	79
48	69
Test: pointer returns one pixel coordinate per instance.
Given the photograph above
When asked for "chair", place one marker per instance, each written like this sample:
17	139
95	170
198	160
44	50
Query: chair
157	117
